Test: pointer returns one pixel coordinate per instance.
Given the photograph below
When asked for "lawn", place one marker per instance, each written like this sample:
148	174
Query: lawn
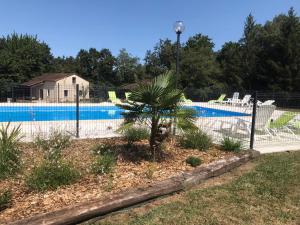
268	194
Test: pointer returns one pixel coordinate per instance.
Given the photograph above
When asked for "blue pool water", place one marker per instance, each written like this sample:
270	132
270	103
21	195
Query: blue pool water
52	113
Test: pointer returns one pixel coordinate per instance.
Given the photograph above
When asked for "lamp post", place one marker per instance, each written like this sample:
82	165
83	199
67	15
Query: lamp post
178	28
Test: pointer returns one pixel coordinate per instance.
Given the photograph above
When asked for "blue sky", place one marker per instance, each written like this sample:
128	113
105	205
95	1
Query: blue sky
70	25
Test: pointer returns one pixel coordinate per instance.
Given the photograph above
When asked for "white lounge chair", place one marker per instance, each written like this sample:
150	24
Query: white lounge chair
260	103
234	100
263	115
268	102
245	101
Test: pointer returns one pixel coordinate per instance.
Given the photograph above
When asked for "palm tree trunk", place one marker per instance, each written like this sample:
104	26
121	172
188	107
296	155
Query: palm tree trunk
154	126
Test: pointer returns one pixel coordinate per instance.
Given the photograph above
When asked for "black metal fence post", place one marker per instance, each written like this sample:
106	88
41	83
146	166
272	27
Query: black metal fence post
253	121
77	110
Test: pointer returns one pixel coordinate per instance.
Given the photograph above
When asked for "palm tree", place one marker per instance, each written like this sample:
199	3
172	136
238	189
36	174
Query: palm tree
157	104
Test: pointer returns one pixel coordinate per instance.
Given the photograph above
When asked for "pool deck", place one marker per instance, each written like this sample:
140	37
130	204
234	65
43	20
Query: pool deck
107	128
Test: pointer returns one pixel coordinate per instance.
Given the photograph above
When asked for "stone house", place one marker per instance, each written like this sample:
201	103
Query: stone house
57	87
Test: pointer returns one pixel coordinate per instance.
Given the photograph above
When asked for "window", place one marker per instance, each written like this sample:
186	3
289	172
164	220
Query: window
48	92
66	93
80	92
74	80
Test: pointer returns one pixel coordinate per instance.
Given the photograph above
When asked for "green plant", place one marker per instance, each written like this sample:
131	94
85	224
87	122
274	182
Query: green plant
101	149
49	176
9	152
193	161
133	134
104	164
53	172
54	145
196	139
231	145
5	199
157	104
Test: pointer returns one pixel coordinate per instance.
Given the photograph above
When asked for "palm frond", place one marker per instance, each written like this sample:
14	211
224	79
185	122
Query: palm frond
156	103
186	118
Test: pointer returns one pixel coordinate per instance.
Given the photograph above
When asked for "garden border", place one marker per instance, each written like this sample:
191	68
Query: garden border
100	207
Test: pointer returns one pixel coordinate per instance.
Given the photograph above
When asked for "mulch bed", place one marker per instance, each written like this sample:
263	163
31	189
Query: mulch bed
133	169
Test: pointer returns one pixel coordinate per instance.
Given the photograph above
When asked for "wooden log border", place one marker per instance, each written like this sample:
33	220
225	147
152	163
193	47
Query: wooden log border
126	198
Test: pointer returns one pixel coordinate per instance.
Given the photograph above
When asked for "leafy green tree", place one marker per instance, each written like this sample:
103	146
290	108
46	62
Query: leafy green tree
161	59
266	57
250	51
199	69
198	65
271	54
280	53
64	65
155	105
128	68
231	63
96	66
22	57
107	63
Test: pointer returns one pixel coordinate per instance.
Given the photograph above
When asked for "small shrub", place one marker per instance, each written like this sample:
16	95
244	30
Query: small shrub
5	199
193	161
101	149
196	140
54	145
9	152
49	176
104	164
231	145
134	134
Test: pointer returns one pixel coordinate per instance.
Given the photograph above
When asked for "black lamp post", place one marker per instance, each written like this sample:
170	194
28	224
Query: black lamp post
178	28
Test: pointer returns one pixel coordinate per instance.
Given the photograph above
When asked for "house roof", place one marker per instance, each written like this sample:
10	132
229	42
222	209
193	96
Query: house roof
47	77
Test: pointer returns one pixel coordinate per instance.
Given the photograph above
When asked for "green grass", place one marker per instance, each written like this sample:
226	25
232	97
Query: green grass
269	194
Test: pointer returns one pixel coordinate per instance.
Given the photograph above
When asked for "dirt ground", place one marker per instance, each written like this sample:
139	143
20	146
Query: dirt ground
124	215
134	168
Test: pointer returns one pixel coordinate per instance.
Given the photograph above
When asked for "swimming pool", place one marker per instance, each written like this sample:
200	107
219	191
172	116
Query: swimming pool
58	113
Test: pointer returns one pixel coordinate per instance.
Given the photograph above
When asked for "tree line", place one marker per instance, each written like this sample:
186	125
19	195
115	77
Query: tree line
267	57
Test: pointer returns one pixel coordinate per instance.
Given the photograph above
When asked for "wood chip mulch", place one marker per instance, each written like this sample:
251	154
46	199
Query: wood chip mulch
132	170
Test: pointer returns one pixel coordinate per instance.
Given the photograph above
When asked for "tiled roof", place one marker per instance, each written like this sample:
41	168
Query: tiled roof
47	77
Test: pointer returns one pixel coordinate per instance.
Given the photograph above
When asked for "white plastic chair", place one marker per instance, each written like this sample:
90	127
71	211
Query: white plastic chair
234	100
245	101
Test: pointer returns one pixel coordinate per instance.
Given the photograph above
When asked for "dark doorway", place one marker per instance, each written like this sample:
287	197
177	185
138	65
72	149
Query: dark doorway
41	94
